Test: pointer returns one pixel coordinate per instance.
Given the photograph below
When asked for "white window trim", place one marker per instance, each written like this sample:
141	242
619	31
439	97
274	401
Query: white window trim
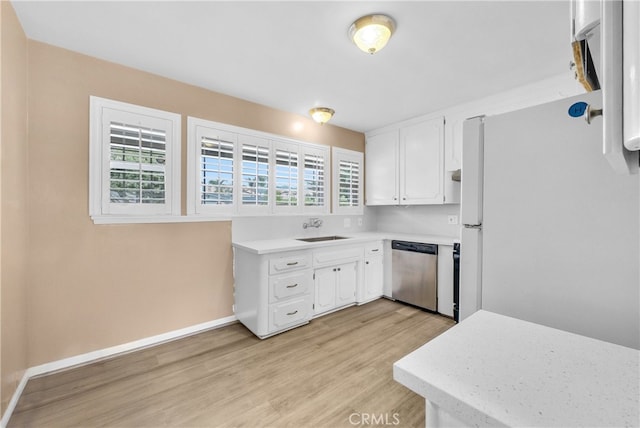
194	208
195	128
98	161
337	155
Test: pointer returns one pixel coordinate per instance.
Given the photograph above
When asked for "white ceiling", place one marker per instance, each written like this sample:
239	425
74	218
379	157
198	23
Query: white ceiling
293	55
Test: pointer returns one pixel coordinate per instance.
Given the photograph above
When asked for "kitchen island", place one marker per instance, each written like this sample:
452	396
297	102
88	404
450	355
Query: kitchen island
493	370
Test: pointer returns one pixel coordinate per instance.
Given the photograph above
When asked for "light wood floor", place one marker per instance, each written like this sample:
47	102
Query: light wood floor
317	375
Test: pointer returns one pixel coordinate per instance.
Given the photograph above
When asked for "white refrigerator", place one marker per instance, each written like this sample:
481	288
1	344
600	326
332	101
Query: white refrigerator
551	233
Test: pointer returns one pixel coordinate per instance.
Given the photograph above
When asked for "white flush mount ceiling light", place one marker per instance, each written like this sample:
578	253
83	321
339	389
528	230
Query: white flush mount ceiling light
321	114
372	32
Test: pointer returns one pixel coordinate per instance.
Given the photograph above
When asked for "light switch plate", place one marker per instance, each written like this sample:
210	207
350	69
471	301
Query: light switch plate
452	219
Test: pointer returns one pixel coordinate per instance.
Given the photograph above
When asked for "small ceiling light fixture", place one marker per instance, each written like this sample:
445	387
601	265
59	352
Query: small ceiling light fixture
372	32
321	114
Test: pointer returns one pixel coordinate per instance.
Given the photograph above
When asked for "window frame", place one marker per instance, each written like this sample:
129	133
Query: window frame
252	137
101	209
339	154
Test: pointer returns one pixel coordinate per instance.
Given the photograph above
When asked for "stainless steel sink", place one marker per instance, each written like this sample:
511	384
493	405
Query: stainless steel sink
322	238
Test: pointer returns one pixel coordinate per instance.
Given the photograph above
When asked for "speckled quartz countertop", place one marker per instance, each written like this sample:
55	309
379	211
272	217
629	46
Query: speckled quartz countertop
493	370
266	246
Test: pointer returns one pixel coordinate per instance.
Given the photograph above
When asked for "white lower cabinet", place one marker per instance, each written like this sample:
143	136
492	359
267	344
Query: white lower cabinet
325	287
279	291
372	287
335	287
273	292
337	275
346	283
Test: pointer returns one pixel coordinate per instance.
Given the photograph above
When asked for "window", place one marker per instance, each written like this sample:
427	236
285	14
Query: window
314	182
134	161
347	181
255	174
239	171
286	177
216	171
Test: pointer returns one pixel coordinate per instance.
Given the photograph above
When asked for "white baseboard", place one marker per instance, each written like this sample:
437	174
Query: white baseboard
14	400
104	353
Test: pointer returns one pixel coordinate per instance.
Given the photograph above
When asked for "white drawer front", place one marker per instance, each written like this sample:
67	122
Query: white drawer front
290	284
339	255
373	249
287	263
289	313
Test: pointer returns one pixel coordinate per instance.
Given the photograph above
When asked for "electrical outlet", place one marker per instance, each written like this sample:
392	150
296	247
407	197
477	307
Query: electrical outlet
359	221
452	219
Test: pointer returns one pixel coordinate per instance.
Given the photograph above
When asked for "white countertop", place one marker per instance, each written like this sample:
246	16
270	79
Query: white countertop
265	246
493	370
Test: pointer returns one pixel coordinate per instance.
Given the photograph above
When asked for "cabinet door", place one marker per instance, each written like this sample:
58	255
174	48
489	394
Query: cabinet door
325	285
373	277
381	169
453	141
347	281
422	163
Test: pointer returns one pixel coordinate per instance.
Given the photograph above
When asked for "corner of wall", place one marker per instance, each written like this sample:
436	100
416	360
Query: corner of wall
13	207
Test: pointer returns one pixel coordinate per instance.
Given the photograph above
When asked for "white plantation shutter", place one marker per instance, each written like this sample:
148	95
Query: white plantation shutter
216	171
255	173
347	181
211	169
314	179
286	176
238	171
137	164
134	161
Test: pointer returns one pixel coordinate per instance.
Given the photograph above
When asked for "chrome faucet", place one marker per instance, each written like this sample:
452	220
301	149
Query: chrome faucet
313	222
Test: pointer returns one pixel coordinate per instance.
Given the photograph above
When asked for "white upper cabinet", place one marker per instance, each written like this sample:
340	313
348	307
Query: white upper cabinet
422	163
453	141
405	164
417	162
381	169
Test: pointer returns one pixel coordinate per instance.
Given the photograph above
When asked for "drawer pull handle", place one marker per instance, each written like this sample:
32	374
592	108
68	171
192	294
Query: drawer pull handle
292	263
375	251
292	286
292	313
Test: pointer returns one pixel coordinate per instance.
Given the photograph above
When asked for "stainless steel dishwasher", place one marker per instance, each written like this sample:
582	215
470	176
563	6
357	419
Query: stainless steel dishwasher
414	277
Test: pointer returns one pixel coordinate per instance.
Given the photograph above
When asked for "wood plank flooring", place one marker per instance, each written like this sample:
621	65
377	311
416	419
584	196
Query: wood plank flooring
334	372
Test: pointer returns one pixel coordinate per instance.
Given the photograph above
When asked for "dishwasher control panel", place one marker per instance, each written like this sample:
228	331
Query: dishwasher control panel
417	247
